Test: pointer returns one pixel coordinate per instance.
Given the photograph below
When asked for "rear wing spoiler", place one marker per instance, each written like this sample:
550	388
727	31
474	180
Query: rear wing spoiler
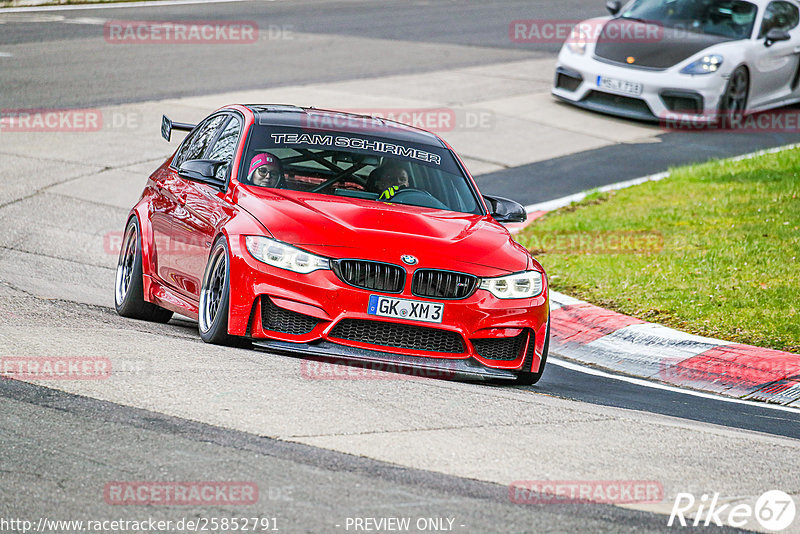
167	126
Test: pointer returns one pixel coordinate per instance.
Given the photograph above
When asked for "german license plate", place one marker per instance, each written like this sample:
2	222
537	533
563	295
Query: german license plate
619	86
430	312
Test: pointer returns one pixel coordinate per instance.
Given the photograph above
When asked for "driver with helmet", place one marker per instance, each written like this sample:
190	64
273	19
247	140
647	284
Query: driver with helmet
737	23
387	180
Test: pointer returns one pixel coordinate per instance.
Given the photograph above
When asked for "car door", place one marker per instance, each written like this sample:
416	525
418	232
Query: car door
162	207
201	210
172	189
774	75
165	202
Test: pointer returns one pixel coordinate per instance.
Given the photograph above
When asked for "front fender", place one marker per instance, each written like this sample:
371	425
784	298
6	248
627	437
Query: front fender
242	294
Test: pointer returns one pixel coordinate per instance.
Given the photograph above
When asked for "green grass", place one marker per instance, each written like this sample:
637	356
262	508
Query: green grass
728	267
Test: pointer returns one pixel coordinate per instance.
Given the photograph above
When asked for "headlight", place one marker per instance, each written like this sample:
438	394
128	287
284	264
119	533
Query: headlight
284	256
704	65
514	286
577	40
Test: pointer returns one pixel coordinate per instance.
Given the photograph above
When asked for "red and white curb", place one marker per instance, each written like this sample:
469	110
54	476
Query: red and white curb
603	338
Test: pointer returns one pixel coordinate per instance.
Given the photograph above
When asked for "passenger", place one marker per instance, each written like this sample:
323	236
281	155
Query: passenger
265	171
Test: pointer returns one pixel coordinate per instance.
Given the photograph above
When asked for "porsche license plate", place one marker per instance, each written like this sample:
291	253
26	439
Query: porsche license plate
430	312
619	86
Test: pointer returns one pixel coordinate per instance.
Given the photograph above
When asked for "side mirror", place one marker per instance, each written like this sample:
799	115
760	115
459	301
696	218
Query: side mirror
775	35
504	210
203	171
613	6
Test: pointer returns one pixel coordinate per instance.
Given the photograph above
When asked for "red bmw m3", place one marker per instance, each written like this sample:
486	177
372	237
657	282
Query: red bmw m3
330	234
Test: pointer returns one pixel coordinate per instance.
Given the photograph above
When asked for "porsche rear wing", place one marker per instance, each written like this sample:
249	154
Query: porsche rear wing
167	126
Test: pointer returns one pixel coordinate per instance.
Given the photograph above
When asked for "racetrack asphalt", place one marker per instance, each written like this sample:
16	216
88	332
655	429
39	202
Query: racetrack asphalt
352	447
304	488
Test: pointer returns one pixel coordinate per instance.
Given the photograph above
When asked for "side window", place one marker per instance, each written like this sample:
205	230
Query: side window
780	15
225	146
195	145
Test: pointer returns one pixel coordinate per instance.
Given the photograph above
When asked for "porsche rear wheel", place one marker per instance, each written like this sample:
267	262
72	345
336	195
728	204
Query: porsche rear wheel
129	286
215	296
733	102
525	378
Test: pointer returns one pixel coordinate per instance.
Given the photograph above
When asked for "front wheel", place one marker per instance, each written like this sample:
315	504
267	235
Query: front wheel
525	378
215	296
733	102
129	284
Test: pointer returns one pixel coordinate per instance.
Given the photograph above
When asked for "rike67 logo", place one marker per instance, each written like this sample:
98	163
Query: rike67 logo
774	511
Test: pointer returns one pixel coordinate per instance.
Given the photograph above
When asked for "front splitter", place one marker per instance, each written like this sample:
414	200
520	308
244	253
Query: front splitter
390	362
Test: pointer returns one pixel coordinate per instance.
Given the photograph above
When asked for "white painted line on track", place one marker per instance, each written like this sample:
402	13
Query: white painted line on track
774	150
6	54
93	21
656	385
550	205
33	9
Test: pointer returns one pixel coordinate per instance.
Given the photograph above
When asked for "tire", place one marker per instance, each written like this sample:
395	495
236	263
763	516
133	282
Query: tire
733	102
212	319
129	286
525	378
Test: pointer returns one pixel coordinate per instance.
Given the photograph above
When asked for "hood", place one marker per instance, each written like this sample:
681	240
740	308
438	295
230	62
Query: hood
339	227
658	47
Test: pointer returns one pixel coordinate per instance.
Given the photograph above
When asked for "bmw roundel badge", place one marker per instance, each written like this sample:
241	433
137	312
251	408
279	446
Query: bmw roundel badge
408	259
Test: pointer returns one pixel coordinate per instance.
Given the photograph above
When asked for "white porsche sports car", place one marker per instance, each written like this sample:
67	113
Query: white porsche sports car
712	60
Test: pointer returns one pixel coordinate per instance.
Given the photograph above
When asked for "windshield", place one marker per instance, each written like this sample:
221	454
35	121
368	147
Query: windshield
357	166
726	18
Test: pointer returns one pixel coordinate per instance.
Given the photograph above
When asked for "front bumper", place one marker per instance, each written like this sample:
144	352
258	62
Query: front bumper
372	360
304	310
665	93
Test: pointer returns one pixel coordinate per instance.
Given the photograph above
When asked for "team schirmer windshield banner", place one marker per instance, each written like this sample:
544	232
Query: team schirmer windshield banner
355	143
